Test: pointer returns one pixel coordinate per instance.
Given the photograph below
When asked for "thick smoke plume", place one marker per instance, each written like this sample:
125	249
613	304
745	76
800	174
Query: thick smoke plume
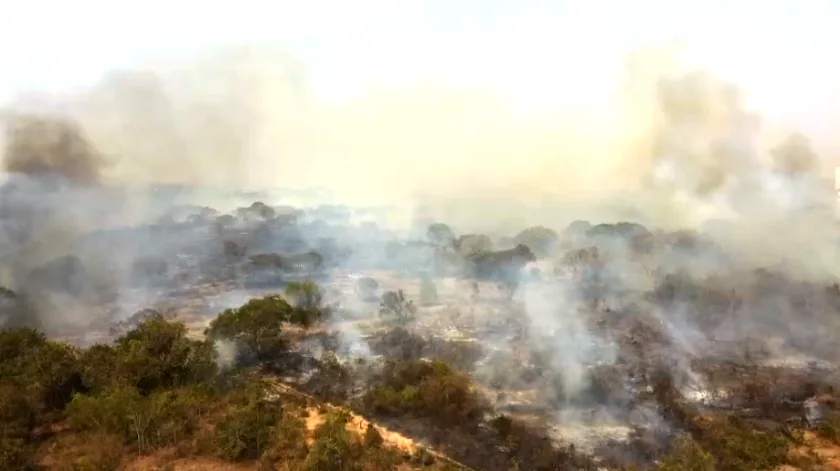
49	166
723	232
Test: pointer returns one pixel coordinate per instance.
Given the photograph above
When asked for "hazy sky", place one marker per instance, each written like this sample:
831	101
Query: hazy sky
526	48
560	62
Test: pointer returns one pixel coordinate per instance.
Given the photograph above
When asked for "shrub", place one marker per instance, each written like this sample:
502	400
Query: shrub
249	427
429	389
16	454
96	452
830	428
46	372
256	327
288	441
334	448
144	422
737	446
306	299
98	366
687	455
158	354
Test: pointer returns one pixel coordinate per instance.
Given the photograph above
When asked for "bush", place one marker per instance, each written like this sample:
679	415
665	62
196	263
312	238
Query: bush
16	454
256	327
158	354
144	422
98	366
46	373
334	448
428	389
306	299
687	455
737	446
288	441
96	452
249	427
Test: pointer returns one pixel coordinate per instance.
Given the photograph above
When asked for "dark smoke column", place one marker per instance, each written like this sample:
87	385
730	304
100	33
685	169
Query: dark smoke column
48	161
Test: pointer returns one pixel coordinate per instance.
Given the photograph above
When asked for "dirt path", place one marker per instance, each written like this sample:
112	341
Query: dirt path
358	424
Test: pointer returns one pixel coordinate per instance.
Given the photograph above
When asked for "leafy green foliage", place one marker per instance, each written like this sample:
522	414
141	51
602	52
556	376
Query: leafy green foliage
248	429
37	379
334	448
145	422
428	389
98	366
45	372
687	455
307	301
337	449
158	354
256	327
288	442
740	447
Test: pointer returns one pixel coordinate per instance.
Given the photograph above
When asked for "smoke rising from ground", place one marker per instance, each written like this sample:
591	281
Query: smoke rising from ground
45	204
678	149
675	148
244	117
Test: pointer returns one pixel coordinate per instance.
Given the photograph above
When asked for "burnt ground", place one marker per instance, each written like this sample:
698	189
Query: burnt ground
616	376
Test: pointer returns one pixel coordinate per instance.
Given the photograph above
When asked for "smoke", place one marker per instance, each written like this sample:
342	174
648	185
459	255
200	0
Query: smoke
245	117
558	326
225	354
676	148
49	166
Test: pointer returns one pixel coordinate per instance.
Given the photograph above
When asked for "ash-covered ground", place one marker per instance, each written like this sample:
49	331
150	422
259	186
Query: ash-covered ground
615	337
601	335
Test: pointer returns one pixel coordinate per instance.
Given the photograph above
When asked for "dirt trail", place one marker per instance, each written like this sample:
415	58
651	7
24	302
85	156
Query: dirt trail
358	424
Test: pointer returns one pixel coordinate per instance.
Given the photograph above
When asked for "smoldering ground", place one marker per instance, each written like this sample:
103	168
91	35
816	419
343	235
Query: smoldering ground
755	257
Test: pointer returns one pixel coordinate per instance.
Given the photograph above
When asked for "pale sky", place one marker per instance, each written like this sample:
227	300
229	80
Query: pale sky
523	47
539	55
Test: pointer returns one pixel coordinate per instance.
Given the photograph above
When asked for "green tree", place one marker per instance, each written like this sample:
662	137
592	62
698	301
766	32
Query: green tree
256	327
307	301
158	354
47	372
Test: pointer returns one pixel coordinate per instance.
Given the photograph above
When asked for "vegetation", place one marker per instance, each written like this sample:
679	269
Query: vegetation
432	390
156	389
256	328
307	301
394	304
